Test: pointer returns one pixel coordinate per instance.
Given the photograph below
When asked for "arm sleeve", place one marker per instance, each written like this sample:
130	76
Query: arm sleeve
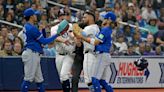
44	33
101	35
47	40
39	36
88	31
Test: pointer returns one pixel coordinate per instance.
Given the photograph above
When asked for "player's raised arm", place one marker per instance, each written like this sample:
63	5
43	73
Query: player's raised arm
63	27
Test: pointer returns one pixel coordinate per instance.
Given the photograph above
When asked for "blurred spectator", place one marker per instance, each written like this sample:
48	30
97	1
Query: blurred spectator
2	12
130	51
161	19
97	18
106	9
4	32
1	41
99	3
17	49
123	10
54	13
18	13
158	51
160	38
10	17
127	33
14	31
44	3
9	4
80	4
44	19
136	40
148	50
65	2
157	4
6	48
50	50
26	4
148	13
150	40
18	40
129	17
117	9
152	26
121	45
141	49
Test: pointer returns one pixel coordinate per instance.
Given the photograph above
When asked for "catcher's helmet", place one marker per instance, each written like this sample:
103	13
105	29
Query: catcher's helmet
141	63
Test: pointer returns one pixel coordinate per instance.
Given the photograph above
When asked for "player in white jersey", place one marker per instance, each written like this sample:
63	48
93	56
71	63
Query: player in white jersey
102	44
91	30
65	47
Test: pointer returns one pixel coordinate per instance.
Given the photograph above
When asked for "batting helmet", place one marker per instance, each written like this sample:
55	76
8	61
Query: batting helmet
141	63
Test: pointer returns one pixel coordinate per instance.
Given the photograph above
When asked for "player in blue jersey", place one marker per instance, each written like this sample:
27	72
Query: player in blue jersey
102	44
33	39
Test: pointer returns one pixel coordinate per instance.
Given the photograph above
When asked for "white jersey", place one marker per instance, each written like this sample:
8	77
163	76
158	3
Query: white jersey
61	47
91	31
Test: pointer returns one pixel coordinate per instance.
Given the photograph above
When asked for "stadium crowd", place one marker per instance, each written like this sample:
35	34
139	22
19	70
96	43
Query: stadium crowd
127	40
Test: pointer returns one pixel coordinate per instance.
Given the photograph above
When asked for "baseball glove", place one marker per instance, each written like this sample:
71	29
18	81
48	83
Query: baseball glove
76	30
141	64
63	27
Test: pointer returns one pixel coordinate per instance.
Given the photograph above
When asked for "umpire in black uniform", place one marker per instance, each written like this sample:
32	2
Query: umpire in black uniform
77	66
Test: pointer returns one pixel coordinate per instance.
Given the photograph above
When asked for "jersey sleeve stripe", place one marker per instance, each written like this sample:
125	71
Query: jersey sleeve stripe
39	37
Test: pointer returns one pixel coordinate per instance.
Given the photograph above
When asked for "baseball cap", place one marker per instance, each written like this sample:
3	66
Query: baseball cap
130	4
110	15
29	12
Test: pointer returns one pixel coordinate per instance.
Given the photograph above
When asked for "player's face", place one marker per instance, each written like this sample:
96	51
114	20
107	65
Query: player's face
85	18
67	17
34	18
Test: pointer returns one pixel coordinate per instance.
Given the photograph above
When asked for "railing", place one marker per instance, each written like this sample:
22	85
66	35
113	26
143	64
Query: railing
11	24
61	5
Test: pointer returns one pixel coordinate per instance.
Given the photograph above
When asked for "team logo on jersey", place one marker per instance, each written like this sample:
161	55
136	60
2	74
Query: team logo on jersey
101	36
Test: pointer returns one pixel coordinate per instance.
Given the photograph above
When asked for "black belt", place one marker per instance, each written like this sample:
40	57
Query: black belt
97	52
63	54
87	51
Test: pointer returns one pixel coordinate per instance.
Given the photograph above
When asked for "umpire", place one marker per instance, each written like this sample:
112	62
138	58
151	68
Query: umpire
77	66
78	62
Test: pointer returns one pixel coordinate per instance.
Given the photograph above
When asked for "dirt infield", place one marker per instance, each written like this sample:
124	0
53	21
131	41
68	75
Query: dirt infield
124	90
115	90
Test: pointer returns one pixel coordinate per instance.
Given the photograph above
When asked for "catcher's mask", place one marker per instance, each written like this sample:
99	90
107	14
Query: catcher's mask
141	63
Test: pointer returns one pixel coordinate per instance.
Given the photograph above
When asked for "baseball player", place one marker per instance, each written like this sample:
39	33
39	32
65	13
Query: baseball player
91	30
65	47
102	44
32	50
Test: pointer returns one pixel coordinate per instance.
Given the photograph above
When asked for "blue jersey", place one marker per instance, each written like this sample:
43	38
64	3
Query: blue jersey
105	37
32	37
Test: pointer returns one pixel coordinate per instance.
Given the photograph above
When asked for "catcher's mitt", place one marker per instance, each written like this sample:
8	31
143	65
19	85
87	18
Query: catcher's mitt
76	29
141	64
63	27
